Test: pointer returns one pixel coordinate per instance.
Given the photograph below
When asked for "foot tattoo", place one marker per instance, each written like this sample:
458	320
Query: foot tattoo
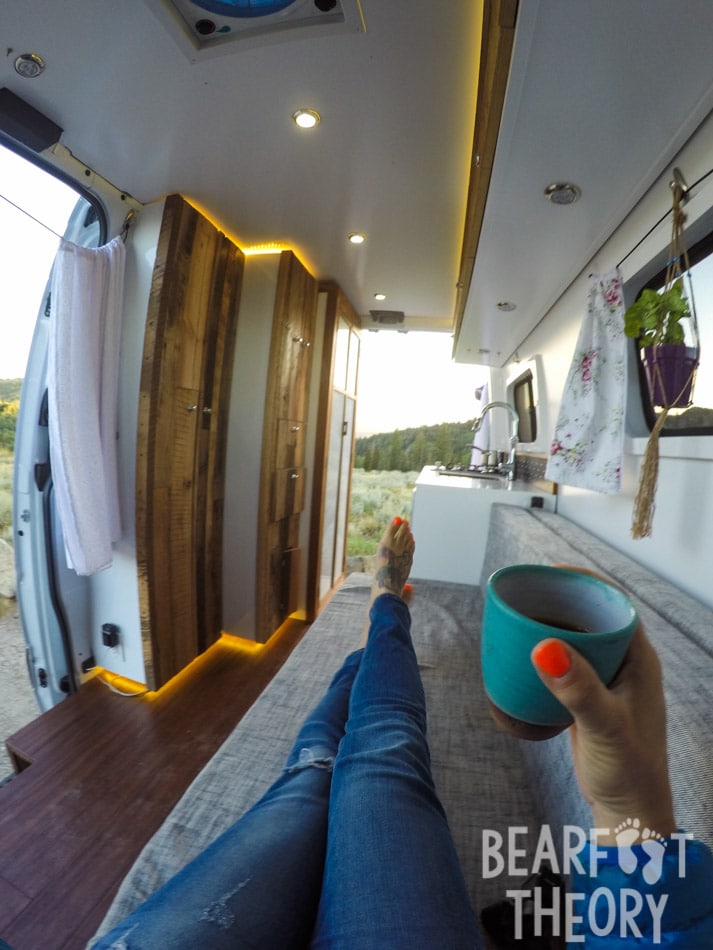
394	558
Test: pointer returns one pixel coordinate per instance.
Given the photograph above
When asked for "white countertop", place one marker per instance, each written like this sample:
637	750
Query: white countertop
433	478
451	516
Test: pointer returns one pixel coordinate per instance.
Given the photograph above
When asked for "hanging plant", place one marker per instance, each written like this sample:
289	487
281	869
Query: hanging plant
657	321
655	318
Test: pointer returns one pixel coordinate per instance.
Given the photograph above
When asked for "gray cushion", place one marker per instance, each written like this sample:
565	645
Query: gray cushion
478	771
486	780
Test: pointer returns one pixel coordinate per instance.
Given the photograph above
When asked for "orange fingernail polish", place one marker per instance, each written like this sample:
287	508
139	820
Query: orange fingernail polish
398	520
552	658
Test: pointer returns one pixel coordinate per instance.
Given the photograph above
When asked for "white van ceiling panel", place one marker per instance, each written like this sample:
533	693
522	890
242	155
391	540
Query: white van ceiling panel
389	158
602	95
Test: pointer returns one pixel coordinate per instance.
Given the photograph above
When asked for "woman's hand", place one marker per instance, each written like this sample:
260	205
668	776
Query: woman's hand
619	733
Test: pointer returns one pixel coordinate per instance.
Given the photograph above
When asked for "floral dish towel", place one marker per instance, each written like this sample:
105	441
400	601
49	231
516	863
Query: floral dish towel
588	442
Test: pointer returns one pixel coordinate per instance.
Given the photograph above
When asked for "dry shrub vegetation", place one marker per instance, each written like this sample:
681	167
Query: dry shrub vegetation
6	462
377	497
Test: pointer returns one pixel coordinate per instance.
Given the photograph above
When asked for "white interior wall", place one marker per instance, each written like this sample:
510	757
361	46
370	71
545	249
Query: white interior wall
679	548
244	448
114	593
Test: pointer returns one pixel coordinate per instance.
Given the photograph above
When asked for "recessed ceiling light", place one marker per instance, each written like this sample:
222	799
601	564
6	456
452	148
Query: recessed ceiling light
357	238
379	296
506	306
306	118
562	193
29	65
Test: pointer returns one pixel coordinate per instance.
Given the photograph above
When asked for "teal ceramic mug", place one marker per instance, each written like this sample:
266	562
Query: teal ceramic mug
527	603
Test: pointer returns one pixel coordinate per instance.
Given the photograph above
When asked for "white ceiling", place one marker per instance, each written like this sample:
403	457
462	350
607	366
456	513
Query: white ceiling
601	93
390	157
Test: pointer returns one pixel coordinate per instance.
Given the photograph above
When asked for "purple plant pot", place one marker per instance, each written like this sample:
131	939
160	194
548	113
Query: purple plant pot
671	372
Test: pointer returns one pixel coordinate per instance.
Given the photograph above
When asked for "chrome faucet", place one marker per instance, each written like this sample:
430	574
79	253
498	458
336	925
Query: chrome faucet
508	466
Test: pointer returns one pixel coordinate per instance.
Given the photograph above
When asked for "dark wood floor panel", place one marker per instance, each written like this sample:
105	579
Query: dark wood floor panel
104	772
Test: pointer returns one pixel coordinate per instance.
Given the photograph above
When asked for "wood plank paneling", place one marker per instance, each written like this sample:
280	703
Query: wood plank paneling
286	398
183	407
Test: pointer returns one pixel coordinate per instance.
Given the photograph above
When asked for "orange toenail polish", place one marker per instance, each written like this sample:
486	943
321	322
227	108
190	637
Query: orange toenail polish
552	658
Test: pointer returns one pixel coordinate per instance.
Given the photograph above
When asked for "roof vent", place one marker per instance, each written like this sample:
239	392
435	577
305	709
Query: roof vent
206	28
387	318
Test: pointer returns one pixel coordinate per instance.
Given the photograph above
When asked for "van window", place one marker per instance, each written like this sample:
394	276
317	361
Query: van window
28	196
696	418
523	397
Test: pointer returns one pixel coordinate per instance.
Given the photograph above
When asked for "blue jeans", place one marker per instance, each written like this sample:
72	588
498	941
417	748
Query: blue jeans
349	848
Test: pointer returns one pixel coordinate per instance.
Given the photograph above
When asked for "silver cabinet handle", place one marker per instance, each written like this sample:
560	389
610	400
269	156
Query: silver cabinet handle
294	475
295	428
191	408
207	410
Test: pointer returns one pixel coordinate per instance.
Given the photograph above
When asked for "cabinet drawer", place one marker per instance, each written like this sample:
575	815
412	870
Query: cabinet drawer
290	451
287	496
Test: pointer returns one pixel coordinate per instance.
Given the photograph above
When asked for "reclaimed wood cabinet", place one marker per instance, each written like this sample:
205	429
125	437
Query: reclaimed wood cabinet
182	427
334	454
283	468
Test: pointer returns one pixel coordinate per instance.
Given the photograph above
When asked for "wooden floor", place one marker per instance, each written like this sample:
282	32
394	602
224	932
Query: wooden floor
105	770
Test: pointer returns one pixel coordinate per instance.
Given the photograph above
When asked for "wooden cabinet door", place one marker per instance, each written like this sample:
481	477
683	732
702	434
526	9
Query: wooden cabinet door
282	478
331	486
183	406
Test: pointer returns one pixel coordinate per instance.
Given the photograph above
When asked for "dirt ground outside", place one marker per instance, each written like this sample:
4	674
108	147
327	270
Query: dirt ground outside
18	705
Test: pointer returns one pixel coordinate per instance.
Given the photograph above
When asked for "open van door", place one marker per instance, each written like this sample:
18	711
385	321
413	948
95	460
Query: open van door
52	599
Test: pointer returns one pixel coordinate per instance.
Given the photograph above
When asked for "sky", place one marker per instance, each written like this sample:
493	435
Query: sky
405	380
26	252
408	380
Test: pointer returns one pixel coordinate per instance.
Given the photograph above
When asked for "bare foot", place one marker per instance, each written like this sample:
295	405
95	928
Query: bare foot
394	557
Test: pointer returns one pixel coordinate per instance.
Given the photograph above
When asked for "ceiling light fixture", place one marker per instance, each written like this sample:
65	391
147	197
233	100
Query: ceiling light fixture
29	65
506	306
357	238
306	118
562	193
379	296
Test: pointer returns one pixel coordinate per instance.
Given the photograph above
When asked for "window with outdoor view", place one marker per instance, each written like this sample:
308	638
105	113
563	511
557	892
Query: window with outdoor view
678	371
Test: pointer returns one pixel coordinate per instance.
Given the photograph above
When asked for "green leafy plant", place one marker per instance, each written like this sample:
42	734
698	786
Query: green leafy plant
655	318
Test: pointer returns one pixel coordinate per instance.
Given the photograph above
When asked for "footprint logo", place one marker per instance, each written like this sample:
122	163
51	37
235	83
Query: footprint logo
653	845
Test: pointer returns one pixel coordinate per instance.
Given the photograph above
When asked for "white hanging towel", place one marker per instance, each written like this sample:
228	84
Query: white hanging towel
588	442
83	378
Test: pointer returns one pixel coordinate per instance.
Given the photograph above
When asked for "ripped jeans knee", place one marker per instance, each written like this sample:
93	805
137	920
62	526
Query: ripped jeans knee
311	758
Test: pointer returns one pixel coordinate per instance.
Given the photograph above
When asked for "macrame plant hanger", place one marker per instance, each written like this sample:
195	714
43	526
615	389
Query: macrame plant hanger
644	503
